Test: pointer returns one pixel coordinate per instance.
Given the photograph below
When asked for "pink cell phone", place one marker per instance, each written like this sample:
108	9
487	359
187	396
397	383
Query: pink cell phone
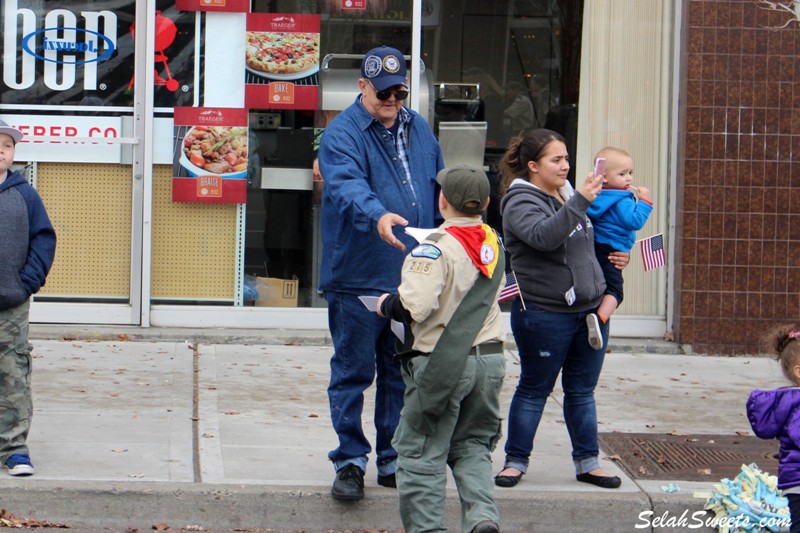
599	167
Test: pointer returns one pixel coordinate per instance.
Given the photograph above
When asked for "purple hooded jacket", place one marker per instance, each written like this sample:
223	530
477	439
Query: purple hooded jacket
776	414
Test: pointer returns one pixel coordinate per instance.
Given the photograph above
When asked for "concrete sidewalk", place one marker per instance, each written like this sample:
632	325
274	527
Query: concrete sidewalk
226	433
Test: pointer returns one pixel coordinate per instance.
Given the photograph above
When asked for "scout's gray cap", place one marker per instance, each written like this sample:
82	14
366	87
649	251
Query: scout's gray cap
384	67
8	130
463	184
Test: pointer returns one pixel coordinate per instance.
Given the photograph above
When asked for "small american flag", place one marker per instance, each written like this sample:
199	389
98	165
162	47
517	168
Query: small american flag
510	289
653	252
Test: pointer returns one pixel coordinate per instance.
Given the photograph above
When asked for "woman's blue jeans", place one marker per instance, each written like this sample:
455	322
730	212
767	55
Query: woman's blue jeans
549	343
364	346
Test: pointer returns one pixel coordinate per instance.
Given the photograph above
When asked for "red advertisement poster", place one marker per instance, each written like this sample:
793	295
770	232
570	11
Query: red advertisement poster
234	6
282	61
210	162
354	4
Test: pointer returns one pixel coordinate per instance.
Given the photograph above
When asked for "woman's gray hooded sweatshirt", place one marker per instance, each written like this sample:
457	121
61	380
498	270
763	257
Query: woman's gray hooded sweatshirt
552	248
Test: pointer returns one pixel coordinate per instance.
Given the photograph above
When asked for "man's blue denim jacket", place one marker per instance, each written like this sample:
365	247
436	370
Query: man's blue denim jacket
364	180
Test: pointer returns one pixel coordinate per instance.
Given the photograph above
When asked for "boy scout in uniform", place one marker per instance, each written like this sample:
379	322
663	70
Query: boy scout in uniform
453	363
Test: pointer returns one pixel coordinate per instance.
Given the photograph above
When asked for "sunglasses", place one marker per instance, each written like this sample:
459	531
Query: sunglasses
399	92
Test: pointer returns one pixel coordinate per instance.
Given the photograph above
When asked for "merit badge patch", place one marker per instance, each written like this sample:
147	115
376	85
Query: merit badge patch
426	250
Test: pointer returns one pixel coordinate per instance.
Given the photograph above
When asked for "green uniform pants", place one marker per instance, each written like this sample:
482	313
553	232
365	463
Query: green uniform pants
16	403
465	435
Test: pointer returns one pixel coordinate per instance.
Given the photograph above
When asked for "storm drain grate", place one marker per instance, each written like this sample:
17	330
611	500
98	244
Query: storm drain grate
688	457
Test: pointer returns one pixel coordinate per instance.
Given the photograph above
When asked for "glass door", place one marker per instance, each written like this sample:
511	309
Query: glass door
73	82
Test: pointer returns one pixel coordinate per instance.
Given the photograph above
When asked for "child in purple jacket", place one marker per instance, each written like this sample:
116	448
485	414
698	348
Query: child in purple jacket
776	414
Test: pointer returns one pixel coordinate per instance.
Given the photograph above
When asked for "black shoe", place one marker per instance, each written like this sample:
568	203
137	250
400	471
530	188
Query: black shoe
388	481
507	481
349	483
486	526
606	482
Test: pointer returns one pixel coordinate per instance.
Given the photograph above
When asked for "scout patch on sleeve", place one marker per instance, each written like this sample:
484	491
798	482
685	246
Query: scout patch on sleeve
426	250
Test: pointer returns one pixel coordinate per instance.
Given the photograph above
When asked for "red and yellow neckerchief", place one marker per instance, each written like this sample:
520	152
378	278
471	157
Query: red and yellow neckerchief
481	245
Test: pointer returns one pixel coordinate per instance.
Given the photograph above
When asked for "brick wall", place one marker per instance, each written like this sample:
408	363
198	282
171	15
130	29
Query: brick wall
738	269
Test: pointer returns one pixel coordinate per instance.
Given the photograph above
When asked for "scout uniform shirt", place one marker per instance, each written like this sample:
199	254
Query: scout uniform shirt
435	279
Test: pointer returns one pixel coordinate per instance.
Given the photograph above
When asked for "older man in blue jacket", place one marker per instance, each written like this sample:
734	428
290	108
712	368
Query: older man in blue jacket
379	161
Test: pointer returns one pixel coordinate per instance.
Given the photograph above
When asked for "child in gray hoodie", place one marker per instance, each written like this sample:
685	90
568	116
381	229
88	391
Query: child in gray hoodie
27	248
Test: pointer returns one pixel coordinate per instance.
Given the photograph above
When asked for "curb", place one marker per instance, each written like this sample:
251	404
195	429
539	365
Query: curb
299	337
142	505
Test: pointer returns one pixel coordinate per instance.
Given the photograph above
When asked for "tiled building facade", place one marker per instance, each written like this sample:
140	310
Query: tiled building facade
738	204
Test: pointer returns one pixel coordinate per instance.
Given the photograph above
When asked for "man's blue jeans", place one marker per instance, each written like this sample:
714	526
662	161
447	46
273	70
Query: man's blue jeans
363	346
549	342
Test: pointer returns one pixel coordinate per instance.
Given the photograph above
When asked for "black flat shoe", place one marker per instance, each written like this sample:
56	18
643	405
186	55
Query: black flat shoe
606	482
507	481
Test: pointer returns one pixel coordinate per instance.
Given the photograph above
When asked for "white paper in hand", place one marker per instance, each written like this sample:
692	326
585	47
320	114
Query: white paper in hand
371	303
419	233
399	330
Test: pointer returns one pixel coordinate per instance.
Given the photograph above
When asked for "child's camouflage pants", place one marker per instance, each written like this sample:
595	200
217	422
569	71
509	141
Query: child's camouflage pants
16	403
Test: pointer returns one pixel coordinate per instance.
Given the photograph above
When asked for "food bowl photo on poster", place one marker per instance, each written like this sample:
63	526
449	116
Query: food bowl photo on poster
215	150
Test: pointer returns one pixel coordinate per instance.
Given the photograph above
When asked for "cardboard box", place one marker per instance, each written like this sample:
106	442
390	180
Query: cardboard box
276	292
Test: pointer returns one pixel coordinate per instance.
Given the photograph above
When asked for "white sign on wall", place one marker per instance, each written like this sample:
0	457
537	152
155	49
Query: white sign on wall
66	138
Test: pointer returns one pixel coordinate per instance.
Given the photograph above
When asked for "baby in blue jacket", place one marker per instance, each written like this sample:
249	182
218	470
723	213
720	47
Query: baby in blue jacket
616	216
775	414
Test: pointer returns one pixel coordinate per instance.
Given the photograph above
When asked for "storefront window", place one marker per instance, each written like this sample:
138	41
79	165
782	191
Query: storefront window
283	205
69	82
503	66
498	67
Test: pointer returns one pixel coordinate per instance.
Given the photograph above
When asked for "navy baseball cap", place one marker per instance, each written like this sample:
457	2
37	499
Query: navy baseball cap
384	67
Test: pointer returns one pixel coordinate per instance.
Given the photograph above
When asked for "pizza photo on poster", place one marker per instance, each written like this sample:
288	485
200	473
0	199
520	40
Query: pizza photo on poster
89	59
282	60
282	56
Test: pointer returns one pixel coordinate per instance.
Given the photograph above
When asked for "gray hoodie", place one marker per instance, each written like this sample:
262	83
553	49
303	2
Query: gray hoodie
552	249
27	241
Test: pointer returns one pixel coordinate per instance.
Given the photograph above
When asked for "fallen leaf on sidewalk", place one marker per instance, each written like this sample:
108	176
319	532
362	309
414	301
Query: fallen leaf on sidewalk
160	527
119	450
743	433
312	415
9	520
122	337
